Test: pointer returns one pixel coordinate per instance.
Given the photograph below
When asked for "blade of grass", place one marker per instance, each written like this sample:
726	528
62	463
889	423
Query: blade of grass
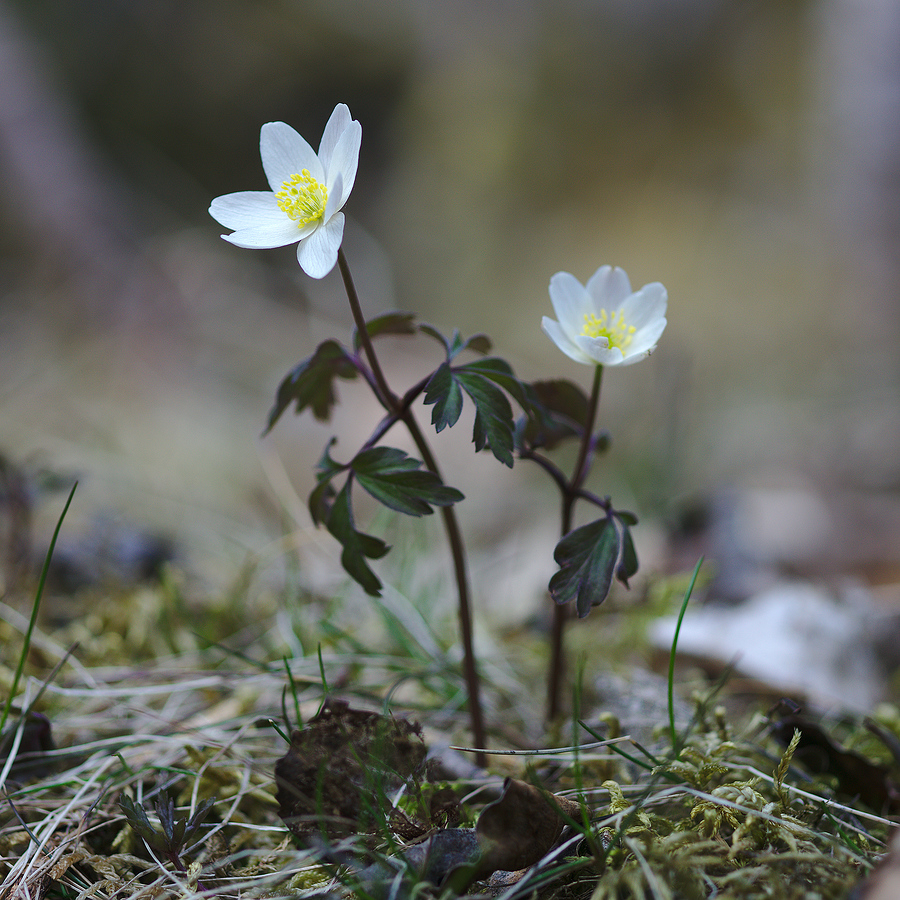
671	699
298	718
656	763
324	681
34	611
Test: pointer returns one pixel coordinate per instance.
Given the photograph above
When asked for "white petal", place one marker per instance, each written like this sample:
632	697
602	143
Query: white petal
284	153
608	287
264	237
336	125
317	255
597	281
334	202
246	208
645	305
556	334
570	302
647	338
340	167
597	350
633	358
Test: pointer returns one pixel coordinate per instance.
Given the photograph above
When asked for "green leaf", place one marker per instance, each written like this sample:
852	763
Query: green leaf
322	496
559	410
479	343
320	501
445	392
626	518
326	467
500	372
432	332
357	546
395	479
138	820
389	323
455	345
587	558
311	383
628	565
165	810
493	414
199	817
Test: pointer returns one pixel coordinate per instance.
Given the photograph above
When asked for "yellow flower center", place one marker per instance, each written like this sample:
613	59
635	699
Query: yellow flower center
614	328
303	198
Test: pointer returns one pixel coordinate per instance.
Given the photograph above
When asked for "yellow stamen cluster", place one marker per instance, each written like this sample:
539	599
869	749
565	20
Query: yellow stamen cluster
614	328
303	198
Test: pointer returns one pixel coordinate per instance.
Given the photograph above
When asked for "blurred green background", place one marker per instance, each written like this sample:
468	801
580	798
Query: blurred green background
743	153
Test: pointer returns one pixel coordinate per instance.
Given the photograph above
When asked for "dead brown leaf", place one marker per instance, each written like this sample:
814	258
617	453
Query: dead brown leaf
515	831
522	826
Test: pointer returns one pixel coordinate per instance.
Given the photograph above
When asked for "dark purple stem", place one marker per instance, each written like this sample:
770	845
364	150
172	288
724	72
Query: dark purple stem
399	410
571	492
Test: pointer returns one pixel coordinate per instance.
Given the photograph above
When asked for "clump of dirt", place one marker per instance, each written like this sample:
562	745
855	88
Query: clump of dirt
341	769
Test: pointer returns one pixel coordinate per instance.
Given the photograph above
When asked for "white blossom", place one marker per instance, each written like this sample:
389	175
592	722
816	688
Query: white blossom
309	190
604	322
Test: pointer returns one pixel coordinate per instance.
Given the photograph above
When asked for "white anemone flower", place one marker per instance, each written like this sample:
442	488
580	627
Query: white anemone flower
603	322
308	191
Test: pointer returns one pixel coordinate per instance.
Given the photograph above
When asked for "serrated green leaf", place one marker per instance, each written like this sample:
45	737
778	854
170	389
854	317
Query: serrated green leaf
493	426
493	415
587	558
444	391
311	383
375	460
500	372
388	323
138	820
412	493
357	547
193	825
628	565
165	810
395	479
478	343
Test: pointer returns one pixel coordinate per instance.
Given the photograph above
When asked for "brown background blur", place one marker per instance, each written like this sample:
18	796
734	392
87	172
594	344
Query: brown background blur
746	154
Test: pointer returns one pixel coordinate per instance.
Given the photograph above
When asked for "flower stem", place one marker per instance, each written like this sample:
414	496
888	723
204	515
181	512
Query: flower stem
561	612
387	398
394	406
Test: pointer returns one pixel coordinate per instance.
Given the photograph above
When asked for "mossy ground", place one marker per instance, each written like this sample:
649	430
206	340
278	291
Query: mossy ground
159	692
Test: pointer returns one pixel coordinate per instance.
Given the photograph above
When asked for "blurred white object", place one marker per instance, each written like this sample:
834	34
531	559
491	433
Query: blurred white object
794	636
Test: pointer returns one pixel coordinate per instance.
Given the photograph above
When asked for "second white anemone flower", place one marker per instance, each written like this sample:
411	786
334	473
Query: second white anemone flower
604	322
309	190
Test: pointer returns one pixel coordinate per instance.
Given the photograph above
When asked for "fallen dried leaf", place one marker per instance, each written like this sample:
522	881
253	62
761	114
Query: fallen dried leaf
522	826
515	831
